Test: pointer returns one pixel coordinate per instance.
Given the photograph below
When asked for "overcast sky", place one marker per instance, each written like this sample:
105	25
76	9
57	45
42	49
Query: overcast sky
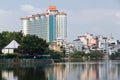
99	17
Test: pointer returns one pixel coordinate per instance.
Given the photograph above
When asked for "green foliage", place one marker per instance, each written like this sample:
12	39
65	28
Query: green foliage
33	45
56	54
30	45
77	54
115	55
95	55
91	55
7	37
118	50
15	55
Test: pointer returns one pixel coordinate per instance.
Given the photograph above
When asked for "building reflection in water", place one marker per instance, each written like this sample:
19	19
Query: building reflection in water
106	70
8	75
57	72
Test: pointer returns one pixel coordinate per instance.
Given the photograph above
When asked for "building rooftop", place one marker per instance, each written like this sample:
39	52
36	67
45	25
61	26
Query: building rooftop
52	8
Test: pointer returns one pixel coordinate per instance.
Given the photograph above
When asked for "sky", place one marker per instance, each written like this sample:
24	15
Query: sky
98	17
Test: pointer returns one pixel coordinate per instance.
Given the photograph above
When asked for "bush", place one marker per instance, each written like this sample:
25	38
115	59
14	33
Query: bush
56	55
95	55
115	55
15	55
92	55
77	54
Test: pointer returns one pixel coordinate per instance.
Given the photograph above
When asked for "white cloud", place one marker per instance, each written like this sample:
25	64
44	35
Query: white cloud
9	20
94	16
4	11
98	21
118	14
118	17
4	15
29	9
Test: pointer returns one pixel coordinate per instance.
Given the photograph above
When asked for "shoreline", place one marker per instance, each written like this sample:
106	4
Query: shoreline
28	61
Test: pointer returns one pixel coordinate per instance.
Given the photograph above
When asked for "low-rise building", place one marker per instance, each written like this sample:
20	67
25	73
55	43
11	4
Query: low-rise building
54	46
10	48
77	45
113	49
103	44
69	48
88	41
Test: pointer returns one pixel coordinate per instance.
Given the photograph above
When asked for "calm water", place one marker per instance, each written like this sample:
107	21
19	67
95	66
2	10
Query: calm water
102	70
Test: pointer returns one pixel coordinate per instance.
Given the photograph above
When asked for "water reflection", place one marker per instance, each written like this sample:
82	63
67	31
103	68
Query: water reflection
22	72
8	75
102	70
105	70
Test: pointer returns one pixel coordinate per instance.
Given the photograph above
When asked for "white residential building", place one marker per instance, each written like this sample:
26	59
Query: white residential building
103	44
49	25
78	44
69	48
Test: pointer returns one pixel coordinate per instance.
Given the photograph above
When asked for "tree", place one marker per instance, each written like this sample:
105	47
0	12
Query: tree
96	55
92	55
6	37
33	45
56	54
77	54
115	55
2	43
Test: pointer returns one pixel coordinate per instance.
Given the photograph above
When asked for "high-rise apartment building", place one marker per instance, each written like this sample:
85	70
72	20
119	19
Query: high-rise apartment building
49	25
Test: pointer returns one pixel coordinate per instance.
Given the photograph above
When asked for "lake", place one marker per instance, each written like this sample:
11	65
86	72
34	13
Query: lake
90	70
